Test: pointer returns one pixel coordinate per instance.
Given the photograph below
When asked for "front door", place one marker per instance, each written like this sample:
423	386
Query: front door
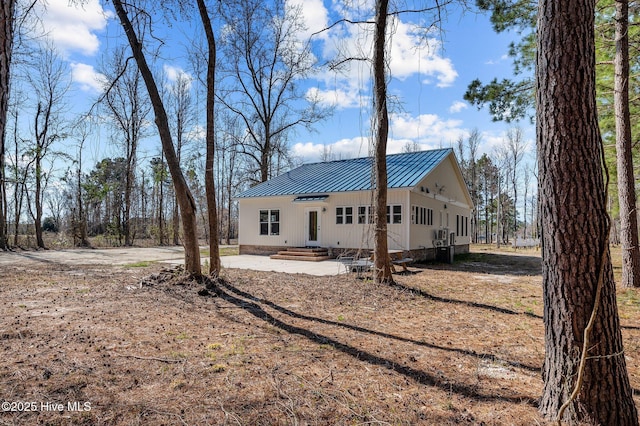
312	227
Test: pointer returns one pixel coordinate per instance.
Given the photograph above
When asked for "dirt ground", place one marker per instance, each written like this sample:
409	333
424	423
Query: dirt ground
118	345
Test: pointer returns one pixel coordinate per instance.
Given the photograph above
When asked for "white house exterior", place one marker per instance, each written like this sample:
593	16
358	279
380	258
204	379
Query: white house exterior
329	205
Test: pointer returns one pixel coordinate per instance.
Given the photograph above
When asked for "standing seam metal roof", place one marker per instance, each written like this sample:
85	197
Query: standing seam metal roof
403	170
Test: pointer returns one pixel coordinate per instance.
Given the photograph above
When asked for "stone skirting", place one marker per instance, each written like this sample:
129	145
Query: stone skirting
260	250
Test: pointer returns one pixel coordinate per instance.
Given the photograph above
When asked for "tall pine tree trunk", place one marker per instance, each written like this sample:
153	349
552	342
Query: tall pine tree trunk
382	272
626	183
576	266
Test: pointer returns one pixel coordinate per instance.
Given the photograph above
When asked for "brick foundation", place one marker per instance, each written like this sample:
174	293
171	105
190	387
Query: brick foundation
260	250
419	255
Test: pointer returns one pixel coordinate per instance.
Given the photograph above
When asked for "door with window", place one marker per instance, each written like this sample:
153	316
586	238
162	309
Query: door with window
312	226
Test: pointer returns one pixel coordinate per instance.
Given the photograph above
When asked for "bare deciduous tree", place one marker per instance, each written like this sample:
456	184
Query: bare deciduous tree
264	63
50	82
129	110
7	11
382	267
185	199
210	189
229	165
180	106
79	219
516	147
473	142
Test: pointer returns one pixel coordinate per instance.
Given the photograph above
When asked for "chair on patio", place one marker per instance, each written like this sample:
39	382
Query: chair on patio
355	264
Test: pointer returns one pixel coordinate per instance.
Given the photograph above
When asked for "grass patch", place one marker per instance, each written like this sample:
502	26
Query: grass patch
224	251
140	264
229	251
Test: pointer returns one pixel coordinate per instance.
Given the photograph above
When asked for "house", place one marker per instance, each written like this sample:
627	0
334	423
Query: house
329	205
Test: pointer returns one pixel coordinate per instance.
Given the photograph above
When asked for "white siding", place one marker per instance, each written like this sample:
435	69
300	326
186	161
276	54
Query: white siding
292	221
249	222
444	186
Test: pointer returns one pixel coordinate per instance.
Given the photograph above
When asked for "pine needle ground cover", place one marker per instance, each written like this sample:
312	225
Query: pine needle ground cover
448	344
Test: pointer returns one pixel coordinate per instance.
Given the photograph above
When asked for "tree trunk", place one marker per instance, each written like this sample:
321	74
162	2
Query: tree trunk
38	201
7	11
82	217
576	267
126	226
41	137
382	268
210	188
498	213
265	157
229	211
183	194
626	184
130	178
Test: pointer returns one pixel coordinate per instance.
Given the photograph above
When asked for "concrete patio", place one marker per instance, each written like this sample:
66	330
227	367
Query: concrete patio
264	263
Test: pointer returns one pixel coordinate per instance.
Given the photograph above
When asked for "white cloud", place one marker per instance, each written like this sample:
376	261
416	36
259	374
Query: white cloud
411	54
197	133
88	78
72	28
315	15
177	78
503	58
428	131
311	152
339	98
458	106
173	73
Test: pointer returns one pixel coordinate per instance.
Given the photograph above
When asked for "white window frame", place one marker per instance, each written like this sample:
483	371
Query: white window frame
345	217
392	217
273	218
366	216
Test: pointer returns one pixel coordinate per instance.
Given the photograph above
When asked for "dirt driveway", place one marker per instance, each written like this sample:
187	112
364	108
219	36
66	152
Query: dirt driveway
138	256
115	256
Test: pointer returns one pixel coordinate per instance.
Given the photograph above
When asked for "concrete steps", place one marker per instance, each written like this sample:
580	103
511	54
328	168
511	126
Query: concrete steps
308	254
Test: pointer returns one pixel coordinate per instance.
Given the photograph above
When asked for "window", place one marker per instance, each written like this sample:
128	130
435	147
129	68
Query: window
421	216
365	214
394	214
462	226
269	222
418	215
344	215
348	215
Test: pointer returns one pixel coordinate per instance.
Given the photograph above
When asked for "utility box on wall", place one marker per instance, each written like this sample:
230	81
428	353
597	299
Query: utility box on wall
445	254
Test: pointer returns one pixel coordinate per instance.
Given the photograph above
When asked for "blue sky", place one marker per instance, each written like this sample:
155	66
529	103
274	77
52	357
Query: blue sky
429	81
